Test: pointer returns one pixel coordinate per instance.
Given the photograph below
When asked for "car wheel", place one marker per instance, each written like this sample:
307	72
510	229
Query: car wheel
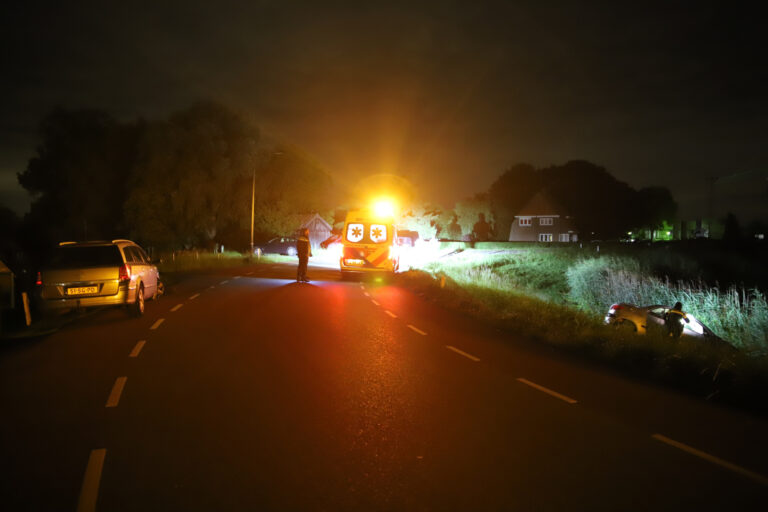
137	309
292	251
626	326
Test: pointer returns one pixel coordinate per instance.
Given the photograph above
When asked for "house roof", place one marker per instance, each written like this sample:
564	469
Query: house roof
540	205
306	220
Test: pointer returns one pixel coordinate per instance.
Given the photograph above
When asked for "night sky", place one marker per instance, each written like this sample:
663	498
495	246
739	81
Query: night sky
447	94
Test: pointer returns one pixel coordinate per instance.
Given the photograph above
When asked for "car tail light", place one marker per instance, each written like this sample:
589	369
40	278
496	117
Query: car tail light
125	273
39	280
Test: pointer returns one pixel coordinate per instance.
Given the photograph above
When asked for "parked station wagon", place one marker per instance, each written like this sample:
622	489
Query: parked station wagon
88	274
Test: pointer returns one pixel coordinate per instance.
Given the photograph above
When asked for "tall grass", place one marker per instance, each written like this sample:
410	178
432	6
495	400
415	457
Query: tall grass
737	315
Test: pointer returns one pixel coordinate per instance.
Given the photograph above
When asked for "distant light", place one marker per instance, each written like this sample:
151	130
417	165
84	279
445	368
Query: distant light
669	233
384	208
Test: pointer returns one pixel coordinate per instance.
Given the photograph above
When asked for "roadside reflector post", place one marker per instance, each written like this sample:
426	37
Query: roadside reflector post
27	315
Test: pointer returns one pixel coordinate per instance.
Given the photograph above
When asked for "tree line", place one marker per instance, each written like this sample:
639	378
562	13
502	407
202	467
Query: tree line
180	182
602	207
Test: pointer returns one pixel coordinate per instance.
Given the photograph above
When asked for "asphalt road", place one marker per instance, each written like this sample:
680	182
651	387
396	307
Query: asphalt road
243	390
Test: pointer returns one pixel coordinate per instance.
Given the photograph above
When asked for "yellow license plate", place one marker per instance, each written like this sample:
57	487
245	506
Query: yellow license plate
82	290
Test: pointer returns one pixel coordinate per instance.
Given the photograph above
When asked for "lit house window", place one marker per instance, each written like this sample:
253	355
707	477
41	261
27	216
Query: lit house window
545	221
525	221
545	237
565	237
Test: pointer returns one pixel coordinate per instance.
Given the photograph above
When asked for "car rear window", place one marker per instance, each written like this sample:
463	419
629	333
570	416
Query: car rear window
93	256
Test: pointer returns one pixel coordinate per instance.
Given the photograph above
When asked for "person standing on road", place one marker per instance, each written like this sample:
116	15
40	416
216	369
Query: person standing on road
303	251
673	320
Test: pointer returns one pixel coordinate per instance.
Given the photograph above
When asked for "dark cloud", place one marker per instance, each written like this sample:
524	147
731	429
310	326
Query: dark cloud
445	93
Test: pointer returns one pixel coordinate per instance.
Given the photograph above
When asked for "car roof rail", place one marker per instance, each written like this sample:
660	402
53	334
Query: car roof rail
122	240
68	242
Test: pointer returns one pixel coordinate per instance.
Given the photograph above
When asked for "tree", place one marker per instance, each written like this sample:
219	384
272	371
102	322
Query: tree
599	203
78	176
509	193
288	182
422	218
193	177
470	211
655	206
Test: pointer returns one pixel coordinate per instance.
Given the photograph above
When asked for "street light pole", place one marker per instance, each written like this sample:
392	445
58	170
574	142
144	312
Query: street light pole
253	206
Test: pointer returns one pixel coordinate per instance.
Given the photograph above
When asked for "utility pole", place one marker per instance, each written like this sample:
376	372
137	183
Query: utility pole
253	206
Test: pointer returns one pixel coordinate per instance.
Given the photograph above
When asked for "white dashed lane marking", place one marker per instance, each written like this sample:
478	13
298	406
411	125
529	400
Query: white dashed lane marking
224	281
157	324
137	349
548	391
89	492
461	352
390	313
237	277
416	329
176	307
711	458
249	273
194	296
375	303
366	294
212	286
117	390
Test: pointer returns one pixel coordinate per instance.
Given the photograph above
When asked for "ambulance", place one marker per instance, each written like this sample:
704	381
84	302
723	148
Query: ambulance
368	241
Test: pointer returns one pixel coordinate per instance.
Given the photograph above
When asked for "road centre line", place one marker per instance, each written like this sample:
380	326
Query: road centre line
137	349
212	286
117	390
89	492
461	352
237	277
416	329
249	273
176	307
366	294
390	313
224	281
375	302
711	458
157	324
548	391
194	296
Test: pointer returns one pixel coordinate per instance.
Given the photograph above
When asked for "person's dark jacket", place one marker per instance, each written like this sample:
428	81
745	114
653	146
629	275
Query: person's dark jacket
303	247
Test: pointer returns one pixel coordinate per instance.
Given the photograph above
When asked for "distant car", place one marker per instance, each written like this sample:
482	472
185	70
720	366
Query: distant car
650	319
281	245
88	274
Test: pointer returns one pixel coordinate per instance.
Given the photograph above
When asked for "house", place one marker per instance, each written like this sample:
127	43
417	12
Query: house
542	220
319	228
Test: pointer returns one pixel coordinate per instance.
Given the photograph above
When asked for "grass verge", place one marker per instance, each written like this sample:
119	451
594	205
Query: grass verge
711	372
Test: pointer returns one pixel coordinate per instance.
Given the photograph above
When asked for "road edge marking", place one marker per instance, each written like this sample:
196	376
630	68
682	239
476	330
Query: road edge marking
176	308
194	296
390	313
224	281
117	390
366	294
462	353
547	391
89	492
416	329
137	348
375	302
157	324
757	477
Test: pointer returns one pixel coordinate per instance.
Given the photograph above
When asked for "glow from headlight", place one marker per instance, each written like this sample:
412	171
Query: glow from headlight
694	325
